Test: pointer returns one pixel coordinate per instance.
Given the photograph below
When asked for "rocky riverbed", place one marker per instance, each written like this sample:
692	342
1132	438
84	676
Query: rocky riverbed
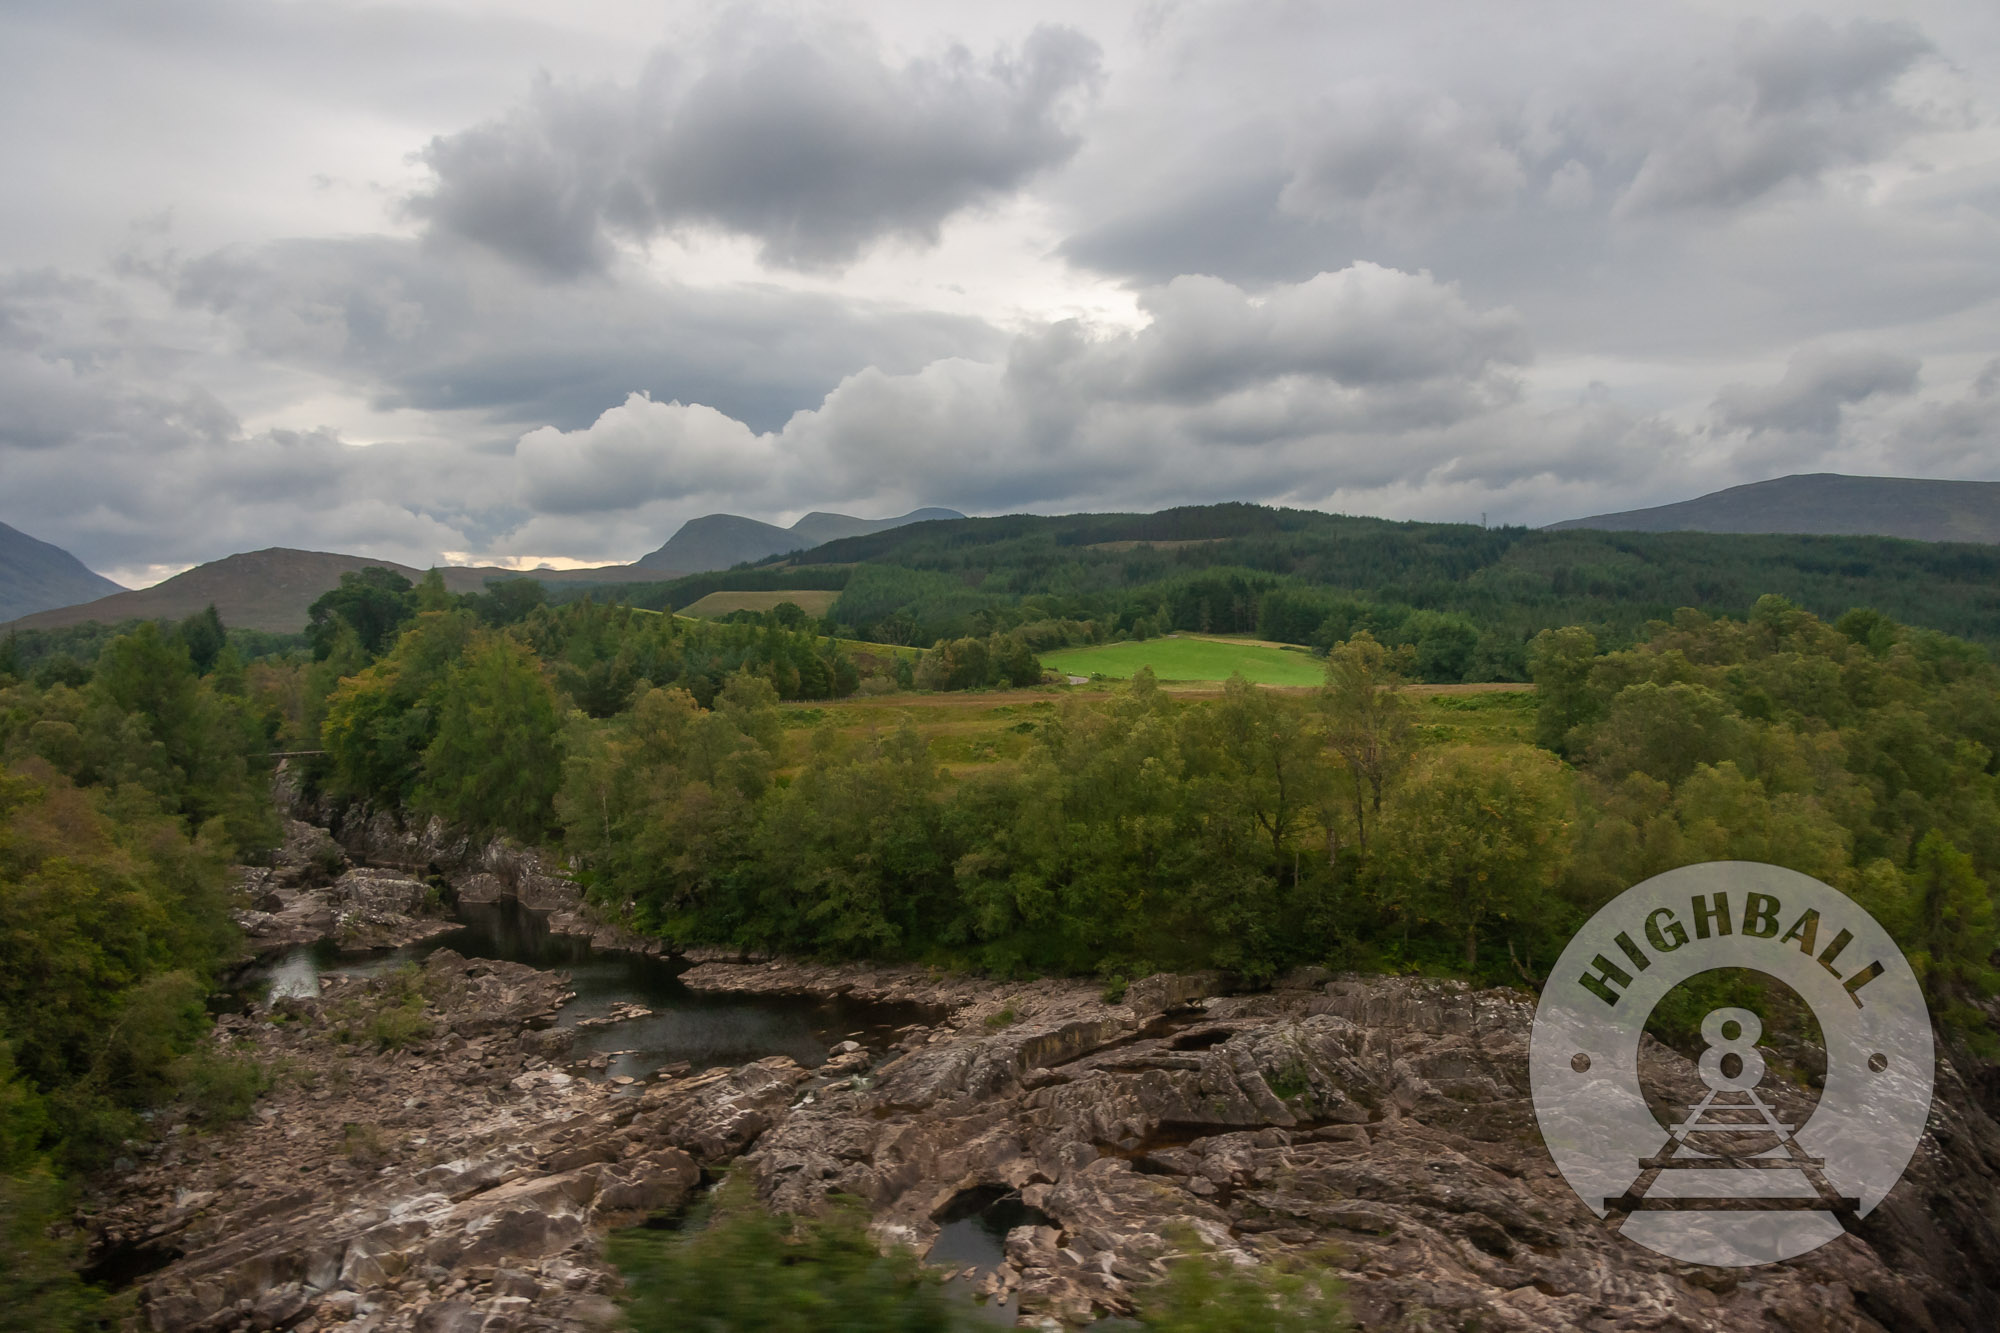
429	1158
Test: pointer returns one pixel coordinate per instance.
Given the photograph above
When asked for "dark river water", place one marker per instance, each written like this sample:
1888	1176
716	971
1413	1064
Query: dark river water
701	1027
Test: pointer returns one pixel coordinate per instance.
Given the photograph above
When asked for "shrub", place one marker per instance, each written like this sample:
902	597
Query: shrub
218	1087
738	1267
1205	1294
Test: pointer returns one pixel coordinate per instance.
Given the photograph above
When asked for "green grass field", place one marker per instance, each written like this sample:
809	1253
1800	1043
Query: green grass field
1183	658
812	601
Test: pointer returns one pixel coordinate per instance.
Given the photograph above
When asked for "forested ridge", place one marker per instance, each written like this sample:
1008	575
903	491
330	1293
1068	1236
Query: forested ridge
1471	597
700	779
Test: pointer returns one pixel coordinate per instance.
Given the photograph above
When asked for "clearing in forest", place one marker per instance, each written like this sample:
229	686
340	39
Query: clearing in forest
1186	657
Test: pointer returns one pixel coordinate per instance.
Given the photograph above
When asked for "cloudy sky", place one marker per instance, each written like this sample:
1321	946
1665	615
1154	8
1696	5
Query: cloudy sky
501	281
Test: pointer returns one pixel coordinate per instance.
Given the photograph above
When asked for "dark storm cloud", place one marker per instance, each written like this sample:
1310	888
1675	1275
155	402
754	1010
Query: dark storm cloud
808	141
1816	386
460	332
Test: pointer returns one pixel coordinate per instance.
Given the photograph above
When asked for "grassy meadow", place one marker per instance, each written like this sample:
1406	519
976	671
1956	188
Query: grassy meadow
1187	657
975	730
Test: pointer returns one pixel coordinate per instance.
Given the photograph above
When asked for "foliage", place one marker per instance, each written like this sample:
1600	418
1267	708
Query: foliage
1204	1293
371	603
39	1288
1367	730
738	1267
496	757
125	790
1862	753
1476	834
973	663
66	655
219	1087
1465	599
389	1012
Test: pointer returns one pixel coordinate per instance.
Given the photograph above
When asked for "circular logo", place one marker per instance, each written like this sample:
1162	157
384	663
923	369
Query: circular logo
1728	1179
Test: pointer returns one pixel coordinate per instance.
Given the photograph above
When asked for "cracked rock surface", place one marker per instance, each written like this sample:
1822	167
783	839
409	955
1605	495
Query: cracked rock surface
1386	1118
465	1182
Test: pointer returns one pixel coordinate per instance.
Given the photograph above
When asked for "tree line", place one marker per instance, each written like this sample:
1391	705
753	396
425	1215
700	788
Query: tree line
127	790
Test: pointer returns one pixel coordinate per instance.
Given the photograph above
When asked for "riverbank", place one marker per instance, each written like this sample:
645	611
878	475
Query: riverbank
434	1158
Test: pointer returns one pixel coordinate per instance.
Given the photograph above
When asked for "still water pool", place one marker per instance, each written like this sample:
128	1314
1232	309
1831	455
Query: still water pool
703	1028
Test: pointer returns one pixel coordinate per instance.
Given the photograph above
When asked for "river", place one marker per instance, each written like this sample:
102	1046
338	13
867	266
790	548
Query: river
702	1028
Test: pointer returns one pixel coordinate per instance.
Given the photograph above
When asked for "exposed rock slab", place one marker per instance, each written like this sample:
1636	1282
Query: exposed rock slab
462	1182
465	1183
1387	1118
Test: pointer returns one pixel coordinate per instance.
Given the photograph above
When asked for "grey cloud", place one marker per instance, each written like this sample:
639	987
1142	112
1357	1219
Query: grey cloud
1815	388
1301	387
1805	98
1953	437
1401	160
118	452
1529	159
1367	341
465	333
808	141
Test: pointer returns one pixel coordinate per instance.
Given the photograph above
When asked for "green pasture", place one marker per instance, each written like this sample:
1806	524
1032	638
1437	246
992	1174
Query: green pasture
1184	658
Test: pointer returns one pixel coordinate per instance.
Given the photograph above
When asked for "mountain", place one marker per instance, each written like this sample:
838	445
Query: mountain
720	541
1828	504
267	590
273	589
35	576
818	528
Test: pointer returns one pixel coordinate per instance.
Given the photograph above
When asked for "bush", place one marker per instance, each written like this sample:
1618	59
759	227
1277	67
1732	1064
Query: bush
366	1145
1205	1294
218	1087
39	1289
390	1017
738	1267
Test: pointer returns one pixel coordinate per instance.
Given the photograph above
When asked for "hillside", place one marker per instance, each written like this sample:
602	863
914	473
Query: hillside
35	576
267	590
1294	575
721	541
1828	504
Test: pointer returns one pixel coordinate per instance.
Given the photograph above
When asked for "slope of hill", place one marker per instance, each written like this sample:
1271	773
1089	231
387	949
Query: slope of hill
1827	504
267	590
818	528
1291	574
35	576
721	541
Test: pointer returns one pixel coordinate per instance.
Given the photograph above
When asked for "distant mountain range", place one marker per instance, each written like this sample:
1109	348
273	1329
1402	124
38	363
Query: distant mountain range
720	541
44	587
1829	504
35	576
